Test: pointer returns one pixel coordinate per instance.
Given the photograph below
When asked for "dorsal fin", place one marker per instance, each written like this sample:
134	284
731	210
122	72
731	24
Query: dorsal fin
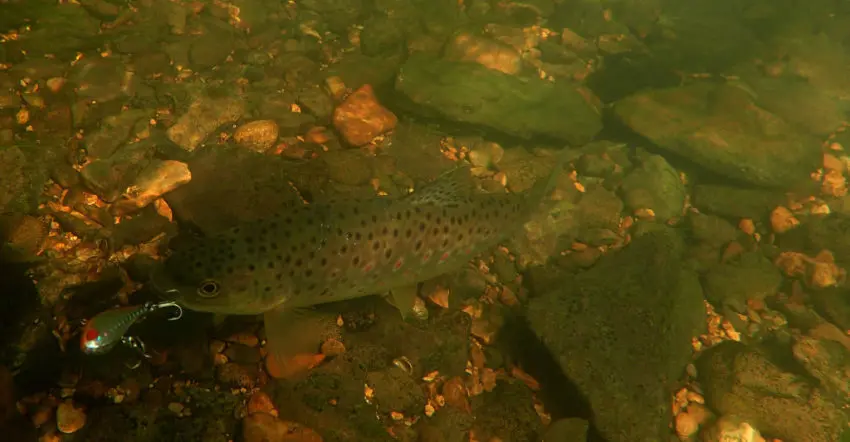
450	188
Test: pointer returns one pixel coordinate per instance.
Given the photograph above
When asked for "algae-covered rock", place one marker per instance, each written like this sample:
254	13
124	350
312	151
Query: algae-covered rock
736	202
21	180
751	276
523	107
738	380
719	128
655	185
635	308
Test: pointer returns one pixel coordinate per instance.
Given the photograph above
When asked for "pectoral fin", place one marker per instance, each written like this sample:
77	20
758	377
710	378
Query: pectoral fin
293	339
405	300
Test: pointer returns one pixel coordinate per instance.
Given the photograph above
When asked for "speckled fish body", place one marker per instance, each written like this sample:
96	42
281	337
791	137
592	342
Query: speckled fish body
338	250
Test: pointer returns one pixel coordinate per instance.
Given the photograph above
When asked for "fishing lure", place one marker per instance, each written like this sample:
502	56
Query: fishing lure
107	329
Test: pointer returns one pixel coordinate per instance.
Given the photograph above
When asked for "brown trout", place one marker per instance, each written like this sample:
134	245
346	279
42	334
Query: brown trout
336	250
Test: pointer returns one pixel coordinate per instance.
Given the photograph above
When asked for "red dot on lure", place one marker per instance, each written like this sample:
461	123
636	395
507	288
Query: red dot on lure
91	334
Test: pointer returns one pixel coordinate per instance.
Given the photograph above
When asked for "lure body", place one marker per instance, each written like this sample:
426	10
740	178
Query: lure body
107	329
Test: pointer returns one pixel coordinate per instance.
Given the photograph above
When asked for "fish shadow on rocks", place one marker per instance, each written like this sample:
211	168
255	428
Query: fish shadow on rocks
27	345
561	397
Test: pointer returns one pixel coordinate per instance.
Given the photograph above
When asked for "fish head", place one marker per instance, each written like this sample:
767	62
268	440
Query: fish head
216	276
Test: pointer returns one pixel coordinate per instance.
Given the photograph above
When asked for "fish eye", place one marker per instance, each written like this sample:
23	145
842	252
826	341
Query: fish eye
208	289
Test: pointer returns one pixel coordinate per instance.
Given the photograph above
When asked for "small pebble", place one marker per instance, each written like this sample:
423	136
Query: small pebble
245	338
69	418
260	402
262	427
258	136
176	407
217	346
332	347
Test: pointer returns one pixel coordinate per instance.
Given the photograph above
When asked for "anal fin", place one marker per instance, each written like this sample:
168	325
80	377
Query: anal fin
293	339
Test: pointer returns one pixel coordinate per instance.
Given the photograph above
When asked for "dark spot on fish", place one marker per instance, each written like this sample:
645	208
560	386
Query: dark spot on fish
235	230
288	220
294	249
251	267
324	262
231	255
308	273
339	232
374	219
370	236
384	231
198	264
262	249
343	250
421	227
428	217
438	220
312	287
460	237
445	229
395	233
267	289
358	236
273	246
436	231
263	231
298	262
356	261
312	255
407	214
356	211
249	240
271	264
409	233
417	209
376	245
363	223
445	242
418	245
388	253
273	225
230	270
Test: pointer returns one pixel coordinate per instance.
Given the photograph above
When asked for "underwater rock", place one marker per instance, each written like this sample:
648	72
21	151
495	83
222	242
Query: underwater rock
739	381
719	128
471	93
637	307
